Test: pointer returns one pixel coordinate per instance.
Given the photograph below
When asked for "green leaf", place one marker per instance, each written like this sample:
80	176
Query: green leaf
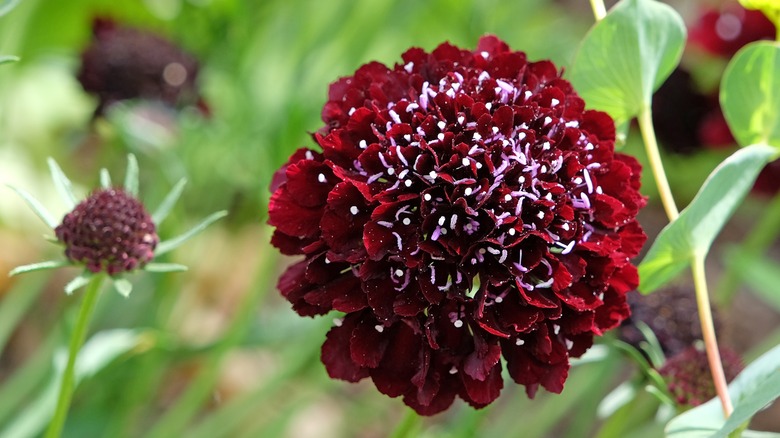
36	207
698	225
165	267
105	179
123	286
5	59
750	94
131	175
170	200
752	390
628	55
51	264
62	184
78	282
174	243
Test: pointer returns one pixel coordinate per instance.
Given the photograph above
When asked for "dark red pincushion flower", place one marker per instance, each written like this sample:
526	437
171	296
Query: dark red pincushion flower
688	378
110	231
464	207
126	63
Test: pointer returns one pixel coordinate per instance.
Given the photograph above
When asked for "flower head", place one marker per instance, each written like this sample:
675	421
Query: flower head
671	314
687	375
463	207
126	63
109	231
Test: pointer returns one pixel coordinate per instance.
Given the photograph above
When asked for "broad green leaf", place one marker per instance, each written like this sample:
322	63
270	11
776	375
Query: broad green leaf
174	243
97	353
698	225
62	184
750	94
626	56
752	390
131	175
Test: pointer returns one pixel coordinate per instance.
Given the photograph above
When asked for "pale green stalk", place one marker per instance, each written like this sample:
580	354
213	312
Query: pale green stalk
76	341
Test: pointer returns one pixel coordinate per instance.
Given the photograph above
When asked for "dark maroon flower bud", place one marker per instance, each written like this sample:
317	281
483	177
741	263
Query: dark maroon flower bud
464	206
688	377
671	314
722	32
110	232
125	63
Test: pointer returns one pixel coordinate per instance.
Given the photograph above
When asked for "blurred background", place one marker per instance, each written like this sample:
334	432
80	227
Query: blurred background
216	351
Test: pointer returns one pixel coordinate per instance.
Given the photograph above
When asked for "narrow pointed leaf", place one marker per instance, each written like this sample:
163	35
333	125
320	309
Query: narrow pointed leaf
628	55
752	390
51	264
750	94
131	175
123	286
36	207
170	200
174	243
698	225
62	184
165	267
78	282
105	179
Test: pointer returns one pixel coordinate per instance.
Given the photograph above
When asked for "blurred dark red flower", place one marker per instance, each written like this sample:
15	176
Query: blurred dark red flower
723	31
464	207
688	378
110	232
126	63
672	315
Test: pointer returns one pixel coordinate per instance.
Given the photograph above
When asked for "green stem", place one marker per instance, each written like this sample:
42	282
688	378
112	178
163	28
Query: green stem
599	10
708	333
697	264
408	425
761	237
654	157
76	341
